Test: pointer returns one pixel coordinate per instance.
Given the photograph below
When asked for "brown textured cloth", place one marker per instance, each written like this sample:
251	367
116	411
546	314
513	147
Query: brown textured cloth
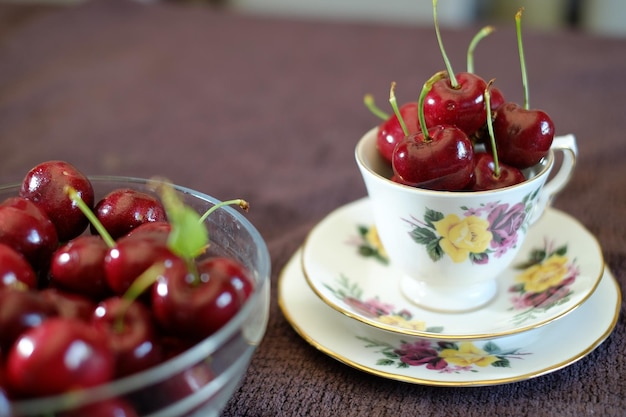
270	110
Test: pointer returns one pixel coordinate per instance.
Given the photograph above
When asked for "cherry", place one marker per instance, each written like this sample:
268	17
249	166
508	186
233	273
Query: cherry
122	210
57	356
78	267
438	158
455	100
130	334
523	135
20	311
32	235
129	258
44	184
216	293
489	172
485	178
390	132
15	271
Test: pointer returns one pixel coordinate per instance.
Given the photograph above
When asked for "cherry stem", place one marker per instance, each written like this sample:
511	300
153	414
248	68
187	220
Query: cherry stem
492	137
453	80
483	33
368	100
243	204
396	110
520	47
86	210
428	85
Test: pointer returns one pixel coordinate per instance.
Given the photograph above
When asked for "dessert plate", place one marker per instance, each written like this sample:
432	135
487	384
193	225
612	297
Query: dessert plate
466	363
557	268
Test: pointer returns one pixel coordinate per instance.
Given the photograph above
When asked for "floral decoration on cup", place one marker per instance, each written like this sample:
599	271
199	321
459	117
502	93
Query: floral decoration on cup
444	357
491	229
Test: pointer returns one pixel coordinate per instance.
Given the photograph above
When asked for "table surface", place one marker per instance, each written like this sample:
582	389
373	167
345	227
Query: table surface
270	110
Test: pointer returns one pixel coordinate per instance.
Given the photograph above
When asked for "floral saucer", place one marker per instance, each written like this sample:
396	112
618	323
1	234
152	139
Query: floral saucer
440	363
557	268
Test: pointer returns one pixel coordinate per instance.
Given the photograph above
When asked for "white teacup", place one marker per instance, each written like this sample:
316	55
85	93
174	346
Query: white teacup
451	246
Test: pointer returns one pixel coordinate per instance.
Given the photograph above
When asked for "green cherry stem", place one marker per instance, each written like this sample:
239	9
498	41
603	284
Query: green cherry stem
453	81
483	33
428	85
368	100
396	110
86	210
243	204
520	47
492	138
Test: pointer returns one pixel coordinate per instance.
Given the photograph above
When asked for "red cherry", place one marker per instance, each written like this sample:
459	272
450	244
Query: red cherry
78	267
124	209
523	137
485	178
442	163
178	301
44	185
57	356
130	257
462	106
15	271
130	334
390	132
34	236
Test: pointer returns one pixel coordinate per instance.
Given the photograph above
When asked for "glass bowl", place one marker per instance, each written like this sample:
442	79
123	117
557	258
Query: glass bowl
199	381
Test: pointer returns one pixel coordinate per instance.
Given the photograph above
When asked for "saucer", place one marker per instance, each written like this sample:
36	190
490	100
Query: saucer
422	361
557	268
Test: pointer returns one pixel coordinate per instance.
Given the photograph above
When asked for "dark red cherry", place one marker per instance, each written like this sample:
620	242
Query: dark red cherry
15	271
129	258
33	236
78	267
444	161
462	106
124	209
390	132
179	299
44	185
57	356
130	334
523	137
485	177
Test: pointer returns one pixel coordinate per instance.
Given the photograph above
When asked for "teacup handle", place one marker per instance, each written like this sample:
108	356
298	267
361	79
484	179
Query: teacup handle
567	145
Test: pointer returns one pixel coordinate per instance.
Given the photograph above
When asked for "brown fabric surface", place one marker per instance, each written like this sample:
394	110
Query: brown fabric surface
270	110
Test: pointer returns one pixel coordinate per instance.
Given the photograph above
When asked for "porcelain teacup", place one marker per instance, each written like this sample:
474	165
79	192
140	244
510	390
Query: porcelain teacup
452	245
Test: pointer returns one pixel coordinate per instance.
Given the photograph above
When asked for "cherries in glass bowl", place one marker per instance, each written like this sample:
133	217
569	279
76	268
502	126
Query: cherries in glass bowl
174	350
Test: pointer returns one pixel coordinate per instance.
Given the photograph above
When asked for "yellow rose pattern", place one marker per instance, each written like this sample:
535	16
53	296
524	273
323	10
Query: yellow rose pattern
476	234
544	281
460	237
443	357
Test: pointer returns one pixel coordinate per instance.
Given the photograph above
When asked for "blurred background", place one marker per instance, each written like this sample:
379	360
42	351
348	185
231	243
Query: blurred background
604	17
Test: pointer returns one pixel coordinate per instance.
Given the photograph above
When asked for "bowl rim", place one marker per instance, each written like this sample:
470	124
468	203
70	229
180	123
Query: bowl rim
176	364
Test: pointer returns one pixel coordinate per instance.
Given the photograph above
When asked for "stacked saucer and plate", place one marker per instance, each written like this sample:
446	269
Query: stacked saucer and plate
551	305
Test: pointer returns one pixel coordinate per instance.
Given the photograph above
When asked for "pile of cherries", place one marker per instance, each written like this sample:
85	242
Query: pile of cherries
461	135
84	302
